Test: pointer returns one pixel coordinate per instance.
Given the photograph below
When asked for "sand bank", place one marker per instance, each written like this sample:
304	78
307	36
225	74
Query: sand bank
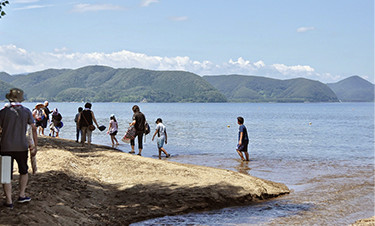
76	185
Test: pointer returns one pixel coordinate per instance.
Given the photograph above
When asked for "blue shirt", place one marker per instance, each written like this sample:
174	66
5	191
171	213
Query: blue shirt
242	129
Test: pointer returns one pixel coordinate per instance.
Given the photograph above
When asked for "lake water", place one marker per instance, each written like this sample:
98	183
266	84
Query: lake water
324	152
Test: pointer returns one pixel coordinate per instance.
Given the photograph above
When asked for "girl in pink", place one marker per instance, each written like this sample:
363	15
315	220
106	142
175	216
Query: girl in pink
112	130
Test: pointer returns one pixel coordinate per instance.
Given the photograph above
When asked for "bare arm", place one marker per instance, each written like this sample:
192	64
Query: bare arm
94	119
35	138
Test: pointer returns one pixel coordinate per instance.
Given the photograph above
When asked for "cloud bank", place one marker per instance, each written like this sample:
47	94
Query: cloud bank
15	60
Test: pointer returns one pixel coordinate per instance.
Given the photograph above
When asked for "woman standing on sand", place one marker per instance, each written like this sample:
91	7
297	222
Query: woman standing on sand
112	130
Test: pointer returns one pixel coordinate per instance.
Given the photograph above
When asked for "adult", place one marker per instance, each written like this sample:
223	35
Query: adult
86	119
39	116
56	123
139	121
14	119
47	112
78	130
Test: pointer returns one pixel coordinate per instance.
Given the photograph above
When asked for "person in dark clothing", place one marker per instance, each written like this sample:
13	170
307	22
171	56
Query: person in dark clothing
85	119
78	130
243	139
45	119
139	121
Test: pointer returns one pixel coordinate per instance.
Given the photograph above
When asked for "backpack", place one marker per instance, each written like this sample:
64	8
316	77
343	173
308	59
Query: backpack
147	128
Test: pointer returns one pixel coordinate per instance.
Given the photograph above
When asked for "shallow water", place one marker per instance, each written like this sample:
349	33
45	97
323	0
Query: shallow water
324	152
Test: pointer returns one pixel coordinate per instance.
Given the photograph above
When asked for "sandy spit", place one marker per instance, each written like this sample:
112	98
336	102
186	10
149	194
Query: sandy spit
75	185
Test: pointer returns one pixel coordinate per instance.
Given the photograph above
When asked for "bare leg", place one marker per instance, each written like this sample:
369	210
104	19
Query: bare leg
247	156
140	151
159	153
23	184
241	155
8	192
116	140
165	152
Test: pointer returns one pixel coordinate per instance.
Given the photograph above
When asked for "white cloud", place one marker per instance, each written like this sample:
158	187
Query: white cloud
178	18
15	60
146	3
24	1
81	8
305	29
33	7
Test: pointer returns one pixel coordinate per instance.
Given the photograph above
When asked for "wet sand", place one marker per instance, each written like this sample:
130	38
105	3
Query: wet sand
80	186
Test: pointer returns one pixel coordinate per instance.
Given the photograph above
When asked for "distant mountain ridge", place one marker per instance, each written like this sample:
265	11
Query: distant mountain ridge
354	89
106	84
241	88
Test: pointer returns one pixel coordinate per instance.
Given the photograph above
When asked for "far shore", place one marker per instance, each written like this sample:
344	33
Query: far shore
75	185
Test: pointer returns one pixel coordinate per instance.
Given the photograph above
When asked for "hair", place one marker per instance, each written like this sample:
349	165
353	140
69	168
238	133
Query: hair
88	105
240	120
80	109
113	118
159	120
135	108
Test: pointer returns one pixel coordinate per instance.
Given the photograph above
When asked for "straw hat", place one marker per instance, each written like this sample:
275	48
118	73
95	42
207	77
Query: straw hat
15	95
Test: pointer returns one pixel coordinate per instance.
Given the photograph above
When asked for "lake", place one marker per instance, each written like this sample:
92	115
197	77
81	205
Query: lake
324	152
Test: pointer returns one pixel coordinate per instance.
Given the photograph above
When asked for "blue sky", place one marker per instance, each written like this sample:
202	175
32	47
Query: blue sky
316	39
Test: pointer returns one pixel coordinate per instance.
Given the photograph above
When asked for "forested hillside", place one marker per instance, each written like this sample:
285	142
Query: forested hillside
240	88
353	89
106	84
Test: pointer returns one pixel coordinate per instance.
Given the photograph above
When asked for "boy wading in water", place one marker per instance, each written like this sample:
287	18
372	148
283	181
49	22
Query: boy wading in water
162	137
243	140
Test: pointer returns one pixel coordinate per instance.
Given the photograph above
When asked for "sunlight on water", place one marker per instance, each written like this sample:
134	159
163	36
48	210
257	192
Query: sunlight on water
323	151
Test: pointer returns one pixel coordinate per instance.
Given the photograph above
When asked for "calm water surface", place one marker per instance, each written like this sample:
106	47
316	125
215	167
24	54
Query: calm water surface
324	152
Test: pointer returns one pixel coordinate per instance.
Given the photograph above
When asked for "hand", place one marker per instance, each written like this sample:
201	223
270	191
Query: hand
165	141
240	143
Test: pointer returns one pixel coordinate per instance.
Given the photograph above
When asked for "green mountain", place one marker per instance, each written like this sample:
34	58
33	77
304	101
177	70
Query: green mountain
240	88
4	89
106	84
5	77
353	89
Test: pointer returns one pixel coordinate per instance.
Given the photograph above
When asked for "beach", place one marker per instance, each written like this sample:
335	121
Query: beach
75	185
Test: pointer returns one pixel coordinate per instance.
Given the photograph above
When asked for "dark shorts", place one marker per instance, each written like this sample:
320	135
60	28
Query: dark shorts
243	147
113	134
21	159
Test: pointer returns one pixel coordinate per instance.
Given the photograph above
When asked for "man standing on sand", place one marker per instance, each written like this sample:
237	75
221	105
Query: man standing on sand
14	119
139	121
243	139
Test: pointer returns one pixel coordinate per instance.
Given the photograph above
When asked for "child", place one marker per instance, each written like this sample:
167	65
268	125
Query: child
243	139
112	130
162	137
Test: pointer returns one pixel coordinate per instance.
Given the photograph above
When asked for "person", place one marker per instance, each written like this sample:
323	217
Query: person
243	139
56	123
85	119
47	112
161	131
139	121
78	130
112	130
14	119
39	116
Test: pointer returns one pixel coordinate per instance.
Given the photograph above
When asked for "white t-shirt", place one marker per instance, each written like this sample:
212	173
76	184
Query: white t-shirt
162	129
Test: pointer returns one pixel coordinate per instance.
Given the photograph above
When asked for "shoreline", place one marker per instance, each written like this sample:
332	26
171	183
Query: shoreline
75	185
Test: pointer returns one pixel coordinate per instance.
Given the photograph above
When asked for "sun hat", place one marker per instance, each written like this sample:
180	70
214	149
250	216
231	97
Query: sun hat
15	95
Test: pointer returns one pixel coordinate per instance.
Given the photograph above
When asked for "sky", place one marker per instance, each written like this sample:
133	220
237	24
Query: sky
314	39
